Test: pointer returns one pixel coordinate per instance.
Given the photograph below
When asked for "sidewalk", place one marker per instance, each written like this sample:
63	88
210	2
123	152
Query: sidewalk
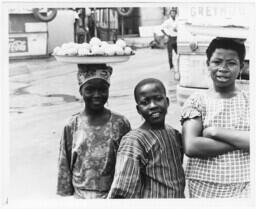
138	42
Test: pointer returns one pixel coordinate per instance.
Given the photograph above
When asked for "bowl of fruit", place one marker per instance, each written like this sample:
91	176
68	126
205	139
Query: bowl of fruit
96	51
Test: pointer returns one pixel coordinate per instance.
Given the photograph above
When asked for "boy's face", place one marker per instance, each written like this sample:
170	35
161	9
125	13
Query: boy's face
152	104
95	94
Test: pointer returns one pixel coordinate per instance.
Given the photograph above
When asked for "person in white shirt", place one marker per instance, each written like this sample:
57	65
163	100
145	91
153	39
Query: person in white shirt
169	28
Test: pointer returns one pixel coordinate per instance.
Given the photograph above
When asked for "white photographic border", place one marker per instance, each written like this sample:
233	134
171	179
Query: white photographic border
107	204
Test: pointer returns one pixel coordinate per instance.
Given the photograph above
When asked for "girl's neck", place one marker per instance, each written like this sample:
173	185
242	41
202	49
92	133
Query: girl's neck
90	112
97	117
225	92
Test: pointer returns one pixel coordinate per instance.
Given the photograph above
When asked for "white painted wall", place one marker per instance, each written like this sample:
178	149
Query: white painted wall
61	29
151	16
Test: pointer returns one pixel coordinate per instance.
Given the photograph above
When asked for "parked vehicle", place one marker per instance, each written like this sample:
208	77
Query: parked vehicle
194	35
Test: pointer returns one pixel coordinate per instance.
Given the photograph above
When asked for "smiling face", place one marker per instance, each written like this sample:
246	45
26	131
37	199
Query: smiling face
95	94
224	67
152	104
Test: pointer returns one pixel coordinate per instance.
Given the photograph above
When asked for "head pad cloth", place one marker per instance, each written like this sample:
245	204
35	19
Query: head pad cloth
87	72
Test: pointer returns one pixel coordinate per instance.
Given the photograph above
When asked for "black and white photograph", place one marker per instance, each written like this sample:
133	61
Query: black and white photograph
147	102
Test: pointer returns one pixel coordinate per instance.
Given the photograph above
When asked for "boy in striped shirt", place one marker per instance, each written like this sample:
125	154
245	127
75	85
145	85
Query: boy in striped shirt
149	159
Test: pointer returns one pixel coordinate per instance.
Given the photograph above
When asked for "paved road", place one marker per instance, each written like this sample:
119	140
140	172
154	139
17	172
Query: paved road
44	93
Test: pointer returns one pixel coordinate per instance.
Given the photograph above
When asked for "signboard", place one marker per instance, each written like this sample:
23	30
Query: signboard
215	10
18	44
27	44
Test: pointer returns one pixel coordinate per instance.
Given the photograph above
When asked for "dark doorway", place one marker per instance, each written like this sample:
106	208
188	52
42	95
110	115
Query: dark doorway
130	23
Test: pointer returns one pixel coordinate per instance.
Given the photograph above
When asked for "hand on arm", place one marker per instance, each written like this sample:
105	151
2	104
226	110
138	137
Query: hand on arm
239	139
196	145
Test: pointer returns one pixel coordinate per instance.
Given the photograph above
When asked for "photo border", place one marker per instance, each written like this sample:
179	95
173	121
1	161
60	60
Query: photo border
68	203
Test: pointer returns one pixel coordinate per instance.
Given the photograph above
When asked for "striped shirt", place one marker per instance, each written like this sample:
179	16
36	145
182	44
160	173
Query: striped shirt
229	113
149	165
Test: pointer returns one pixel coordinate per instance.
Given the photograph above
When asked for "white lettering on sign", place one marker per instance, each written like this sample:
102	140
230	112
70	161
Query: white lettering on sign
18	44
206	11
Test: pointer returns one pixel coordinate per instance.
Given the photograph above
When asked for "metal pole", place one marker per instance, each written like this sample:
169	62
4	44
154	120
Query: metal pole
108	24
122	27
95	21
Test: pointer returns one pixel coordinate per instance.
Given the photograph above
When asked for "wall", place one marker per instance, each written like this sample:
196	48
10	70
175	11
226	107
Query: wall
151	16
61	29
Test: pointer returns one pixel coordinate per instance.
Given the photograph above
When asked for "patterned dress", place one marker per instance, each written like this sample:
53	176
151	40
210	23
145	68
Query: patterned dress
87	156
226	175
149	165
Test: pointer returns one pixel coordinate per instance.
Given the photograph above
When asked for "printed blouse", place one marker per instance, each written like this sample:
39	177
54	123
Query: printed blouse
87	156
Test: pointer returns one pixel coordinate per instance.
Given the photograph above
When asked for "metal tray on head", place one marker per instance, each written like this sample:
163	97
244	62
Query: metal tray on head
92	59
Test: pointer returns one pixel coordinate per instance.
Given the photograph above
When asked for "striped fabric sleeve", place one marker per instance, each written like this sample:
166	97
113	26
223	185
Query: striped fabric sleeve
127	181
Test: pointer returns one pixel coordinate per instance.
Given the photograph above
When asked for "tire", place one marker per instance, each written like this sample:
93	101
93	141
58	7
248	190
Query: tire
44	18
124	11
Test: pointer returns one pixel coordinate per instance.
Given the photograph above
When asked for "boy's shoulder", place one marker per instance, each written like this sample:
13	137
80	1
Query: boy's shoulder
135	135
139	133
136	139
147	139
139	136
171	129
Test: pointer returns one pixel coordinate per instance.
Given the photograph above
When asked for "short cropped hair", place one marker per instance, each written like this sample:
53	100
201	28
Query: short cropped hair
147	81
226	43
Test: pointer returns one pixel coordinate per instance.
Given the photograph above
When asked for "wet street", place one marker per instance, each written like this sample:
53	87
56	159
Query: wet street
44	93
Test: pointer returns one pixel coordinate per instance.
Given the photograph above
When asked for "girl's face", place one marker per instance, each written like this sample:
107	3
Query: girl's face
152	104
224	67
95	94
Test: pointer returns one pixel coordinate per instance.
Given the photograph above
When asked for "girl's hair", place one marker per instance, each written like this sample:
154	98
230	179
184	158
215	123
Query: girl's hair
147	81
227	43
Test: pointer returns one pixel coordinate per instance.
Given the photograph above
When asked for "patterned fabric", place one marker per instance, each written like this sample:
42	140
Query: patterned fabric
87	156
92	71
232	113
203	189
149	165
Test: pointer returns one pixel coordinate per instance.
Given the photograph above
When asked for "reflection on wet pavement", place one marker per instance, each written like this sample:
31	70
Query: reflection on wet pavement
54	99
21	90
66	98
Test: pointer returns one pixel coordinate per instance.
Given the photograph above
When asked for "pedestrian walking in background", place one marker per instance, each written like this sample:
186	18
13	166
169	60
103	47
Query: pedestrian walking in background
170	29
81	29
216	128
90	138
149	159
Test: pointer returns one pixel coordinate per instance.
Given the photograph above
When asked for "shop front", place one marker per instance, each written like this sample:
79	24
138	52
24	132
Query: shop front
28	32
